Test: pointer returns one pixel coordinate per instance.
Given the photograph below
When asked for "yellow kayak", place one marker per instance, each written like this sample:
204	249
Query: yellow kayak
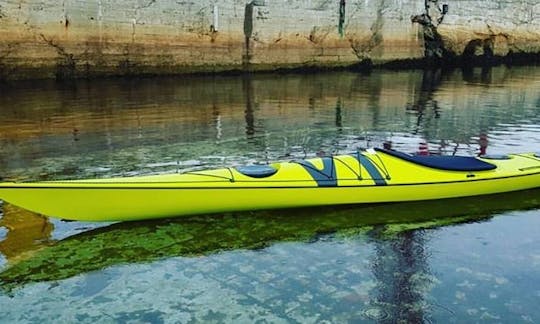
370	176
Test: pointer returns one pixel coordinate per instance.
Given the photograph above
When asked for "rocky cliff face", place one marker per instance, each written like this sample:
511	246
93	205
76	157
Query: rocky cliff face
470	29
73	38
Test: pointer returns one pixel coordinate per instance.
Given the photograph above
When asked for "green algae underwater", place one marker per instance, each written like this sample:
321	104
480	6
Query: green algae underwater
143	242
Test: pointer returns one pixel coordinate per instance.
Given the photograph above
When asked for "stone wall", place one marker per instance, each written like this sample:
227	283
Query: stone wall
75	38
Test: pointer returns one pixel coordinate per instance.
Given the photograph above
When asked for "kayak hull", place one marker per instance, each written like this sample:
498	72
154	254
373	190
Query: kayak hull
224	190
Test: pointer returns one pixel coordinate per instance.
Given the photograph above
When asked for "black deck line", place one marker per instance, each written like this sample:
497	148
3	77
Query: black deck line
325	177
371	168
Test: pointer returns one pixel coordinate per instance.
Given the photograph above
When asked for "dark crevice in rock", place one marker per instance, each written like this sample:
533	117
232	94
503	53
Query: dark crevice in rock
248	31
481	51
341	20
435	52
65	68
362	48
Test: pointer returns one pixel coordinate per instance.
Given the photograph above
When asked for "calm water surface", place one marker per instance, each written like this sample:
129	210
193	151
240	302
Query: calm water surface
464	260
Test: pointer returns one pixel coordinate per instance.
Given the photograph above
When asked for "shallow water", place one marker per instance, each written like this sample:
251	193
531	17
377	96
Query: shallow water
477	261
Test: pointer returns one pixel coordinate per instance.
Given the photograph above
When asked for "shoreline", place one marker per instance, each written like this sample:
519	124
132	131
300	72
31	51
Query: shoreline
519	59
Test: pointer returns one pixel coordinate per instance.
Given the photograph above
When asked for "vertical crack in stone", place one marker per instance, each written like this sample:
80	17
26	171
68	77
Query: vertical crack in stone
203	29
65	68
362	48
133	30
341	20
248	31
66	19
376	29
100	22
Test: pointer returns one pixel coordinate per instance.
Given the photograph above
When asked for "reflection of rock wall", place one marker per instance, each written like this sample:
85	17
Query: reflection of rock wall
378	100
101	37
51	128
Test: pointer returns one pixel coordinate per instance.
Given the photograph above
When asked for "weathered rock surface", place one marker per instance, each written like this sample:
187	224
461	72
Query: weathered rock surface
73	38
